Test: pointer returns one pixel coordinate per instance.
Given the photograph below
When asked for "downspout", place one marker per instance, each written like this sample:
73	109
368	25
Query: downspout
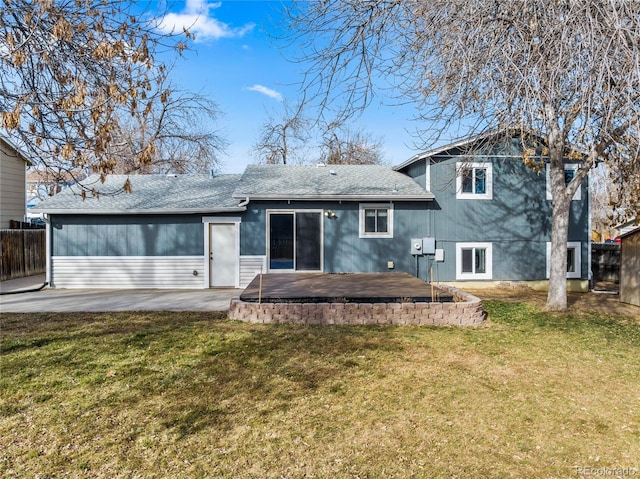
48	249
244	202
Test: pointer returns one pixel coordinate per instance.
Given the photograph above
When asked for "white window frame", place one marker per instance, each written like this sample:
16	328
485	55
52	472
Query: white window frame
488	274
368	206
577	246
573	166
463	165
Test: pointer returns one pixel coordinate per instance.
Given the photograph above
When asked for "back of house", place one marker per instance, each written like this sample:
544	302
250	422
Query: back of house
468	213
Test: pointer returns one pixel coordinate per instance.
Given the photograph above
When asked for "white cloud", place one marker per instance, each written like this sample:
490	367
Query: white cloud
198	19
266	91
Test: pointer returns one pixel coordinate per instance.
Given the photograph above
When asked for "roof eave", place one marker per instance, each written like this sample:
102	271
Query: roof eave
150	211
391	197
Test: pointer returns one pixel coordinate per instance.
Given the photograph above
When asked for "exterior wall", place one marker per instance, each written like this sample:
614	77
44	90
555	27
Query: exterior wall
134	251
132	235
630	269
12	185
344	250
250	267
516	221
128	272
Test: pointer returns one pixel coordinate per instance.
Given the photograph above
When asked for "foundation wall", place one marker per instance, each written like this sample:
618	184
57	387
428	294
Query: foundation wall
466	310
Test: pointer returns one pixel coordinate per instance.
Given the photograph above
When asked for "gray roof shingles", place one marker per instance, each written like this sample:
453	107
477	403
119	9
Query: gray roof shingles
149	193
201	193
331	181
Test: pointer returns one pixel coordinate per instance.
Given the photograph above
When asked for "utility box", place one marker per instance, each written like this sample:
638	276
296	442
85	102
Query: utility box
428	246
416	246
439	255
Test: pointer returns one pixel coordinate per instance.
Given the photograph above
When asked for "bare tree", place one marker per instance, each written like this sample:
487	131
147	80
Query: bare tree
183	134
604	194
73	72
344	146
284	140
567	69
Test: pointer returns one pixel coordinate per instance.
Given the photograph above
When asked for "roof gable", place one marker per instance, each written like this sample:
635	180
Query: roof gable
18	152
467	146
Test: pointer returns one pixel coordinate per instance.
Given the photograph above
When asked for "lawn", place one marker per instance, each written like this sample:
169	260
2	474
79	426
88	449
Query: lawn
189	395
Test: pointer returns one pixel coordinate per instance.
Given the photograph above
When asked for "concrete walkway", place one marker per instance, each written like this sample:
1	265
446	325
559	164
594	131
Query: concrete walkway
101	300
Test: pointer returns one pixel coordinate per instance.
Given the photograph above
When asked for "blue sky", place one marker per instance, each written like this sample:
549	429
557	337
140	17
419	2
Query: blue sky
236	62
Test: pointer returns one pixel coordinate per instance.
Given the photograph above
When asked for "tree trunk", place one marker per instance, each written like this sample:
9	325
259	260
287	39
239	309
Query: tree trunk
557	296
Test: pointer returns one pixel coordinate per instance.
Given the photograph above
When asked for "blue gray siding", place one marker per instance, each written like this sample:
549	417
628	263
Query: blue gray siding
133	235
344	250
517	221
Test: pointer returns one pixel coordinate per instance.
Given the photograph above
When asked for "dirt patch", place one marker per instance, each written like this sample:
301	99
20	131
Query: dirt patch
592	301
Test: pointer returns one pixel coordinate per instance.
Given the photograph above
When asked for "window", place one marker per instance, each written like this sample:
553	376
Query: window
574	262
474	181
473	261
376	221
569	173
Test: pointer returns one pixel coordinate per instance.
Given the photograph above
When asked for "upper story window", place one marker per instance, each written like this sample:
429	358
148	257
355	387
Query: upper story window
569	173
376	221
474	181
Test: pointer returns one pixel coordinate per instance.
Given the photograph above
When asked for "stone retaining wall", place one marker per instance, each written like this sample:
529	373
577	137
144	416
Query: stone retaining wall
466	310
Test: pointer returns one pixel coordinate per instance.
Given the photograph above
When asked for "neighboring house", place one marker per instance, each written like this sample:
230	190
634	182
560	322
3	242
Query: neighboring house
13	165
41	184
630	267
483	215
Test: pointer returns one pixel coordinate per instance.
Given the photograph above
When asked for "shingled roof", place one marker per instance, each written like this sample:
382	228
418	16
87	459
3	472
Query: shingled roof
225	193
332	182
149	194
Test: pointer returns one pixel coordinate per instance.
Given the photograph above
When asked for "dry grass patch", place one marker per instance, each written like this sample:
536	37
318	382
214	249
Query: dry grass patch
531	394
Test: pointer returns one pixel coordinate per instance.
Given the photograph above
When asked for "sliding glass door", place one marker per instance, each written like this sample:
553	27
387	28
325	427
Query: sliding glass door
295	240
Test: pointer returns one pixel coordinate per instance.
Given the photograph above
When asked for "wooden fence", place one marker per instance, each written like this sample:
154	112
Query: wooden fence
23	253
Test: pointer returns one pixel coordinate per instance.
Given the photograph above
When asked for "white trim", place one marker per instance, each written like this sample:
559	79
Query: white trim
577	273
128	272
488	194
488	274
221	219
567	166
135	211
48	255
361	222
426	196
292	211
427	174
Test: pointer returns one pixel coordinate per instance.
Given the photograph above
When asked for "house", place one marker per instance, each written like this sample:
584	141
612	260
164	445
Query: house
470	213
43	183
13	164
630	267
492	214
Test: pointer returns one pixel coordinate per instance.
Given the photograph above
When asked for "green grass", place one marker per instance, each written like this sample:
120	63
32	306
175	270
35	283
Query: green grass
531	394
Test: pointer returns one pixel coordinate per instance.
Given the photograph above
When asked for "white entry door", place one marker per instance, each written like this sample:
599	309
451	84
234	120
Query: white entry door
223	257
